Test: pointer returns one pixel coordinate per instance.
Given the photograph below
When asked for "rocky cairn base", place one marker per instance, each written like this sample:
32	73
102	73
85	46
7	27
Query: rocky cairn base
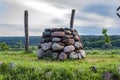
60	43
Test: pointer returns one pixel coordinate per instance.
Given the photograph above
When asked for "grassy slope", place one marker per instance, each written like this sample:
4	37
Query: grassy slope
69	69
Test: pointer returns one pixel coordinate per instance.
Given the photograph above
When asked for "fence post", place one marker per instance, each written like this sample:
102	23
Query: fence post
26	31
72	18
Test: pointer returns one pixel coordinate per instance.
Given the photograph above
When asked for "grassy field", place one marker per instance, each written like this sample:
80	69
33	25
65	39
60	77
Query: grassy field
28	67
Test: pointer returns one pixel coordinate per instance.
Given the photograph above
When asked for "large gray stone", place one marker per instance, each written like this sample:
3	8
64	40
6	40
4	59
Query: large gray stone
73	55
46	46
57	47
78	45
57	34
68	42
56	39
69	49
40	53
62	56
83	54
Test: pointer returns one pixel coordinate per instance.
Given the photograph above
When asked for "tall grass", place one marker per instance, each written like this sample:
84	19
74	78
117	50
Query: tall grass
28	67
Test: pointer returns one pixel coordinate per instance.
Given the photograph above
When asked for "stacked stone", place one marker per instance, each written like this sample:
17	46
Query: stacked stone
61	43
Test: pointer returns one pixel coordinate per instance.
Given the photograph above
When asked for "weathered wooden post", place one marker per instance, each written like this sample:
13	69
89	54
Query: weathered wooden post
72	18
26	31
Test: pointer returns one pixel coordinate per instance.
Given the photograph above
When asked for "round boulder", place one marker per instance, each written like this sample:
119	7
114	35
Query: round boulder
68	42
83	54
69	49
62	56
46	46
73	55
57	47
57	34
40	53
78	45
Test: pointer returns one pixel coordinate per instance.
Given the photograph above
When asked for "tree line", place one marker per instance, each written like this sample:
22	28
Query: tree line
88	41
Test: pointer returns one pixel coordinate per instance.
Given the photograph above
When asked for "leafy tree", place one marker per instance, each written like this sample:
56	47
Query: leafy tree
4	46
106	37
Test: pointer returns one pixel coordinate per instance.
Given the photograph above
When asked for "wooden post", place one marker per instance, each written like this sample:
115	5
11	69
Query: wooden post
26	31
72	18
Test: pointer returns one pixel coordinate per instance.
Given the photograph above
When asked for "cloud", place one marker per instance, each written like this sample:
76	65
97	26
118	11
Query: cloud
91	15
104	10
44	7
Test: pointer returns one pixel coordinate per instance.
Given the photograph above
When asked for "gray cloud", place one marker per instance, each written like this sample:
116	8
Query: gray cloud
89	13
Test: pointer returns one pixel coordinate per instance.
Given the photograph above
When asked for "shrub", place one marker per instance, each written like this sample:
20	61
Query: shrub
4	46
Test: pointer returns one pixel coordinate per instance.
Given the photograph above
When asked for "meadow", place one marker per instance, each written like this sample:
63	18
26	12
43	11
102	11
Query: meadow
28	67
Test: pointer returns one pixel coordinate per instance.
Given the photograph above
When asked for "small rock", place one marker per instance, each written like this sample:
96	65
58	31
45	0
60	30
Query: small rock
42	40
68	32
57	34
73	55
69	49
68	42
49	74
77	38
56	39
118	70
82	53
61	43
107	76
47	30
1	63
46	34
46	46
67	37
11	65
40	53
93	68
60	29
54	29
57	47
39	46
48	54
62	56
79	56
78	45
54	55
48	39
75	34
67	29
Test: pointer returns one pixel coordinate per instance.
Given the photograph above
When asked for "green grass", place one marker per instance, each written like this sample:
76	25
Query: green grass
28	67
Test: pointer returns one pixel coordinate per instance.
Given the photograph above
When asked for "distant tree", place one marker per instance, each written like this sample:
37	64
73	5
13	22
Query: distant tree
4	46
106	38
19	44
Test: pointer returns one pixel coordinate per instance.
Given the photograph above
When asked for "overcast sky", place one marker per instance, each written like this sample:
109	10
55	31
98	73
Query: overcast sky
90	17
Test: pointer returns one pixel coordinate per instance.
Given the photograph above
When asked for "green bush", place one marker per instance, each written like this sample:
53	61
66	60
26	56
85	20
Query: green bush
4	46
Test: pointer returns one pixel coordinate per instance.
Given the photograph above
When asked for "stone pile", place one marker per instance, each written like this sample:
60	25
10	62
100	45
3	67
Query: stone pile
60	43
